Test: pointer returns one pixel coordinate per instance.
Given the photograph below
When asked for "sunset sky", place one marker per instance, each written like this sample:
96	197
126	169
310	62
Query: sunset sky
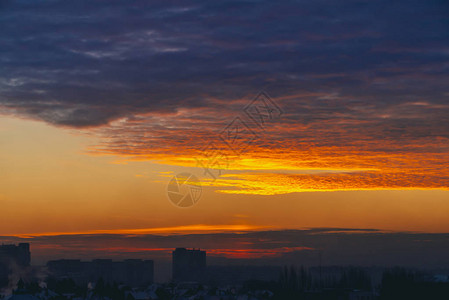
103	102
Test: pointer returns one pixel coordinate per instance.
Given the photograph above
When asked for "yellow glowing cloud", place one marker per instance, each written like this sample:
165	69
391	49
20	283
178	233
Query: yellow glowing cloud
274	183
330	154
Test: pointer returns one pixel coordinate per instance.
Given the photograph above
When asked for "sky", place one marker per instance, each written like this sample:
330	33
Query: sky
294	116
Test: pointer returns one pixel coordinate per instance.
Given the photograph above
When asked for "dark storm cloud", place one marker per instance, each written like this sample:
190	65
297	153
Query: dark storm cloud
86	63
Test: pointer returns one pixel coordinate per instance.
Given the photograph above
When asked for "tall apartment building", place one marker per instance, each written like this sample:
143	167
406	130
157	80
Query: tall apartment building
188	264
13	257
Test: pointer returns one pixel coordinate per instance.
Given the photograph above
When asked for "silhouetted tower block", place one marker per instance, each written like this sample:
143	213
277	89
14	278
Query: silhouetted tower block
24	255
189	265
19	255
11	258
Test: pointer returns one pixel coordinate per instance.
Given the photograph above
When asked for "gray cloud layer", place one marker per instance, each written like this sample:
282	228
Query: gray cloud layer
338	246
85	63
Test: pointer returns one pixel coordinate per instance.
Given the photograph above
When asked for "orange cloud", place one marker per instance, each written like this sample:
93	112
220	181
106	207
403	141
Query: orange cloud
336	145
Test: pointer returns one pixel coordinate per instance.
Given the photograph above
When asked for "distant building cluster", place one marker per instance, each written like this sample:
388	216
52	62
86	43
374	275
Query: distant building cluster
19	255
133	272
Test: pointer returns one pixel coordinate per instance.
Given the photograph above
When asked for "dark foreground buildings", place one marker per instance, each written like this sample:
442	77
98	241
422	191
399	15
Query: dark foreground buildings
13	258
132	272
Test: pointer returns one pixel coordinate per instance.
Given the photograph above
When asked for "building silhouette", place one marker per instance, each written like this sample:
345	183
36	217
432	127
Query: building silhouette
20	255
188	265
13	257
132	272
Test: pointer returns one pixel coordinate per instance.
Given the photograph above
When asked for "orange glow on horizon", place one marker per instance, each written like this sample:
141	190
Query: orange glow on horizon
332	155
186	229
